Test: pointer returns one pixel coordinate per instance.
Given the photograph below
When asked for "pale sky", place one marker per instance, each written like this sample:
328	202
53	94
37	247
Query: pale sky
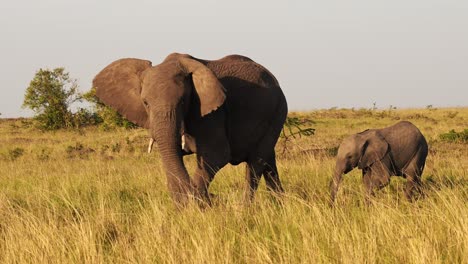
325	54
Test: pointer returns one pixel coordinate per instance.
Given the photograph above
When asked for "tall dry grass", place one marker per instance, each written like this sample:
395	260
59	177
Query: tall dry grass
94	196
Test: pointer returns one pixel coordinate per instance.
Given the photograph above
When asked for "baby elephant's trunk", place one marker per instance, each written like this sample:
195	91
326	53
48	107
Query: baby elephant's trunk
335	183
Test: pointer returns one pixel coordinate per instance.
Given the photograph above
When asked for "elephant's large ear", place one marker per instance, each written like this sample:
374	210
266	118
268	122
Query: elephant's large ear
374	148
210	91
119	86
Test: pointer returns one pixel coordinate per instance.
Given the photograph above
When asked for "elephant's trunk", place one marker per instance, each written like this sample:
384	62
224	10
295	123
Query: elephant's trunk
335	182
165	129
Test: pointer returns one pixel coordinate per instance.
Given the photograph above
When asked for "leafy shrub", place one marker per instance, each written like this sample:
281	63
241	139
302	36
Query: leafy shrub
84	117
15	153
451	114
421	116
115	147
130	147
78	151
386	113
295	127
50	95
104	149
107	117
453	136
333	151
43	155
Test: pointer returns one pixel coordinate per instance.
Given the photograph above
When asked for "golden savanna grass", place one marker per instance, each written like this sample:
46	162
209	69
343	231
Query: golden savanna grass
92	196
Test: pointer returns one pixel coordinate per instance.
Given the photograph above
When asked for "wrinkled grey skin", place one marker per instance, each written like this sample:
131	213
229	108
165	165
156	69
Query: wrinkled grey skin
398	150
229	110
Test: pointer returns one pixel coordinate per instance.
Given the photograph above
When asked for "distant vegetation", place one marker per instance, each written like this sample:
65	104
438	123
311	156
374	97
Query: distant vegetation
295	127
50	95
453	136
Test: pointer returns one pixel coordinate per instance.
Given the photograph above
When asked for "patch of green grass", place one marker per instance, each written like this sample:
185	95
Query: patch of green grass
453	136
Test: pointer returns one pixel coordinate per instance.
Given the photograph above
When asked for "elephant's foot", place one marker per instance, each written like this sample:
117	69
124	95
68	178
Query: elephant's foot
413	194
413	189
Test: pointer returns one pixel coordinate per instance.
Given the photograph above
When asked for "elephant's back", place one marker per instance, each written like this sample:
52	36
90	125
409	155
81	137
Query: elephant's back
405	140
255	102
250	86
235	69
404	129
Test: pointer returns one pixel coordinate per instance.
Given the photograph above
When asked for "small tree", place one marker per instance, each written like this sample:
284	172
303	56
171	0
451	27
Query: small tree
293	128
49	95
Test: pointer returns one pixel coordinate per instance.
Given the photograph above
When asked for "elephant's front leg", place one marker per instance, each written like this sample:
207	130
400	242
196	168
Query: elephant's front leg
368	185
374	178
204	174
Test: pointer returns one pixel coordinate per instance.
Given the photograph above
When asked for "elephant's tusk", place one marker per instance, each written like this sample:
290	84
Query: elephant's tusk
151	142
183	142
150	146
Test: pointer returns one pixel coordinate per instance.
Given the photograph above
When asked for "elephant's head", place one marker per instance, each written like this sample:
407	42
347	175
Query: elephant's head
359	150
160	98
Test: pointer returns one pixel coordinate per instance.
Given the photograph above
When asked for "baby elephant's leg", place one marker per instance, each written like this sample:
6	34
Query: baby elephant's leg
413	172
368	185
413	184
374	179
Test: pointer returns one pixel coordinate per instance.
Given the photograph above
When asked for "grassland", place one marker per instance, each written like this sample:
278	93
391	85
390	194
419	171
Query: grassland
92	196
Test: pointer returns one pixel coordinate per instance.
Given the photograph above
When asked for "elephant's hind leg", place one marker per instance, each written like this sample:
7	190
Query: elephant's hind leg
413	181
253	174
262	160
204	175
413	185
413	172
270	173
254	171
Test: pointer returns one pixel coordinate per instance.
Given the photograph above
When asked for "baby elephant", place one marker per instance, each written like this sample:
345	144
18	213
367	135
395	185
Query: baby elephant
398	150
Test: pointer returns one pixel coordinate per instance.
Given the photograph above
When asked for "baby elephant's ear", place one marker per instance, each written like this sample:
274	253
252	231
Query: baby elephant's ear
210	92
119	86
374	149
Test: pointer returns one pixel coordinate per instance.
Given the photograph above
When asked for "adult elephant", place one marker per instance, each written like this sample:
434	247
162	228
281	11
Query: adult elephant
399	150
233	109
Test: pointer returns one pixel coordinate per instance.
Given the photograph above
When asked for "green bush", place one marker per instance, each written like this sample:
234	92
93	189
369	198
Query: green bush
78	151
50	95
15	153
107	117
85	117
295	127
453	136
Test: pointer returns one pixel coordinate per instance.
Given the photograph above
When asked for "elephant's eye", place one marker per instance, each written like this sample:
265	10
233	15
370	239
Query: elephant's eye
145	103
